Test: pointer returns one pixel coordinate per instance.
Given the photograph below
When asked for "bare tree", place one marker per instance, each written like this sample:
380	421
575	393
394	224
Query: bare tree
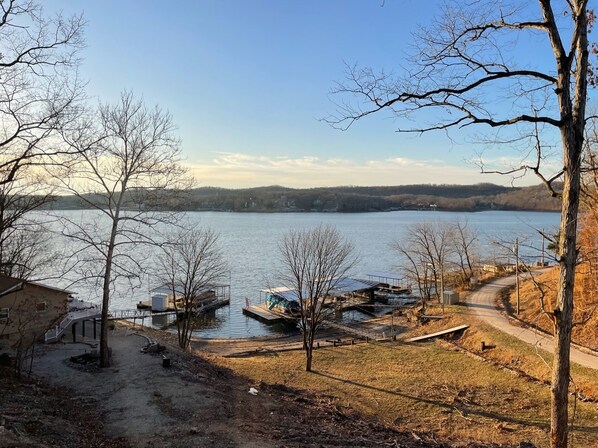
23	248
190	265
416	270
463	71
126	157
426	249
28	252
464	249
313	262
589	221
40	95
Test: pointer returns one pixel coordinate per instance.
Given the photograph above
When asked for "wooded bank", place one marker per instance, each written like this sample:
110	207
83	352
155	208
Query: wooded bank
349	199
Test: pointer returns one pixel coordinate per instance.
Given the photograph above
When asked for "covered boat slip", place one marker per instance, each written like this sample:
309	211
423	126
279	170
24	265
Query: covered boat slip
275	305
282	303
262	313
205	298
390	285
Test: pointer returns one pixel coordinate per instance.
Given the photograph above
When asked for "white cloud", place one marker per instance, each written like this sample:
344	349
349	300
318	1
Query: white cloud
235	170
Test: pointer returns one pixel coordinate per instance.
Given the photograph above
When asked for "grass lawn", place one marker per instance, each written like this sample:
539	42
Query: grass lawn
425	387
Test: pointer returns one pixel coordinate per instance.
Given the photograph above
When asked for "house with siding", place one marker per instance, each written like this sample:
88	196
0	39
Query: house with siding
27	310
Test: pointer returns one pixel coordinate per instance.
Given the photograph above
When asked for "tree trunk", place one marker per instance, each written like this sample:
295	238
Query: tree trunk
104	356
563	312
104	351
308	358
309	347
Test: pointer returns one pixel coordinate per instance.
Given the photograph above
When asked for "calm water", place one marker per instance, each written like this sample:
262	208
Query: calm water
250	244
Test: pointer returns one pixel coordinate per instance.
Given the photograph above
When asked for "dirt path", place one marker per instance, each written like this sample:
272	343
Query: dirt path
483	302
145	403
194	403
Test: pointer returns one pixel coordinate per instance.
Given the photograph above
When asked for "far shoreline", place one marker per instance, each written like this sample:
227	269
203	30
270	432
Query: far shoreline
272	212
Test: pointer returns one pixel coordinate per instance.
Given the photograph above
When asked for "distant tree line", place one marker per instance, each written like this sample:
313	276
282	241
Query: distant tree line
340	199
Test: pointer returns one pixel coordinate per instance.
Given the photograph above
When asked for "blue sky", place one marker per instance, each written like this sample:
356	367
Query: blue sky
247	81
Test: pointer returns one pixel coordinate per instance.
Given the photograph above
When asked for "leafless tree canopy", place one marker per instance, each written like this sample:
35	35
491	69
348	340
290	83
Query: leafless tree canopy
40	91
24	247
39	95
432	252
191	261
461	72
465	249
125	157
313	261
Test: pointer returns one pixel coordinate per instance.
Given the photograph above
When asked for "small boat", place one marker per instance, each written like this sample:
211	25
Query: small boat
282	304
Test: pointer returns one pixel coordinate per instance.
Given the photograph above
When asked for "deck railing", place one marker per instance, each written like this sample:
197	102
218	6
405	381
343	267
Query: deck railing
78	311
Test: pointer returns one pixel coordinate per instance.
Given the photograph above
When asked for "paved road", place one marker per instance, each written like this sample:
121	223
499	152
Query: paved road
483	302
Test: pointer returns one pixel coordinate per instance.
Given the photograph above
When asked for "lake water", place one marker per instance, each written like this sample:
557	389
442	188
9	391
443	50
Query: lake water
250	245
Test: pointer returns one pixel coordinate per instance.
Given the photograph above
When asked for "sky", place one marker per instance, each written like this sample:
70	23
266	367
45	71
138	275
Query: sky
248	83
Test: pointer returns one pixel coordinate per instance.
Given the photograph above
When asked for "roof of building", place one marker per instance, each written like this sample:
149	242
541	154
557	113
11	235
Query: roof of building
385	275
289	294
339	287
346	284
10	284
166	289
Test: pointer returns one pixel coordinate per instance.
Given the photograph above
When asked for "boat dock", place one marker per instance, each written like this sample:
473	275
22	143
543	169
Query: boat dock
389	284
147	305
166	299
271	316
347	294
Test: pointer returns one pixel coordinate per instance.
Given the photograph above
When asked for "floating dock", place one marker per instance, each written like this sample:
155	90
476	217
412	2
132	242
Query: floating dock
147	305
262	313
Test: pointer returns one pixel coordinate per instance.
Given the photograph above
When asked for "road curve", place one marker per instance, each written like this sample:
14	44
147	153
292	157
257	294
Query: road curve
483	303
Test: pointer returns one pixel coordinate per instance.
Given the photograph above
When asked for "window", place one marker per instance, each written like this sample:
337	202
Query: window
4	314
41	306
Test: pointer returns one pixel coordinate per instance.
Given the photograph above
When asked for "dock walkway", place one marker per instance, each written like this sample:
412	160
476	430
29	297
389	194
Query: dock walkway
438	333
143	313
262	312
360	333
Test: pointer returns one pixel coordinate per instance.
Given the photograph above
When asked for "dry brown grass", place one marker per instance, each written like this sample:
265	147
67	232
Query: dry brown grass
585	306
510	352
427	387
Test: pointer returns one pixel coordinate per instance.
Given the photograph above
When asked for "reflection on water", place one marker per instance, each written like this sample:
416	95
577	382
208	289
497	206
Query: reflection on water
162	321
250	245
213	323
